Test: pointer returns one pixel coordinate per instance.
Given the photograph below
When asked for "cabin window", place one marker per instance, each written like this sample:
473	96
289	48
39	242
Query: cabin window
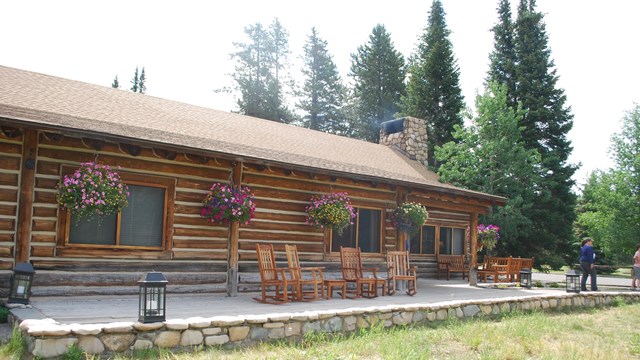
365	232
450	240
141	225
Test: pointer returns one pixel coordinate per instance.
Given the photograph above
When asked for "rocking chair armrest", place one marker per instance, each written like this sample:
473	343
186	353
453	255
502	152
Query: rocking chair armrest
373	271
316	272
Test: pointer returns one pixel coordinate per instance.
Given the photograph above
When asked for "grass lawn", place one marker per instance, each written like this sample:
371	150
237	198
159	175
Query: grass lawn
605	333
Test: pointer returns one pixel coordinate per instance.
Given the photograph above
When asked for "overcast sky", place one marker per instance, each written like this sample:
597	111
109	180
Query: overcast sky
185	46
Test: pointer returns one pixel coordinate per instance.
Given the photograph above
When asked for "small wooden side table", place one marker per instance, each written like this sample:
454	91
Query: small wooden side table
330	284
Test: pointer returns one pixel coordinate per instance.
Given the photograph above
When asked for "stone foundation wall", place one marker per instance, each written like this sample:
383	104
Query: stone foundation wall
47	338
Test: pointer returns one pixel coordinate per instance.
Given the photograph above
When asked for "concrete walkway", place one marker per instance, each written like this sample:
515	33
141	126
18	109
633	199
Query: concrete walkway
110	309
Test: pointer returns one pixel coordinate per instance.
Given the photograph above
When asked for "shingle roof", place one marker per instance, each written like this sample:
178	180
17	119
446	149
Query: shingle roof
52	101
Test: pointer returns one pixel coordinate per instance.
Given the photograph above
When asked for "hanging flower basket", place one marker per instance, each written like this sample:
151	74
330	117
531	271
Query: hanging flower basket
330	210
409	217
226	203
488	236
93	189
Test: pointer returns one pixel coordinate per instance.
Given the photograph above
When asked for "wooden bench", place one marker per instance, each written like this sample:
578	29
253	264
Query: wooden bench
452	264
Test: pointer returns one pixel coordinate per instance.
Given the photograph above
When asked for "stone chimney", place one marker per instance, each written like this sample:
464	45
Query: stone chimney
408	134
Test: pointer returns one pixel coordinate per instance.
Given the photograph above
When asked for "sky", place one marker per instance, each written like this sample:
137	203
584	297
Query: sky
185	47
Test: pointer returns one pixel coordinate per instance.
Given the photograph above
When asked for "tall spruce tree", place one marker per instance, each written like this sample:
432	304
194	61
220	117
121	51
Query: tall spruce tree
378	71
115	84
547	121
142	87
503	60
433	90
135	81
258	72
323	92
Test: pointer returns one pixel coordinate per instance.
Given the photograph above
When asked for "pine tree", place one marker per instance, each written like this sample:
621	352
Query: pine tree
323	90
135	81
115	84
378	71
546	123
258	72
433	90
142	88
503	60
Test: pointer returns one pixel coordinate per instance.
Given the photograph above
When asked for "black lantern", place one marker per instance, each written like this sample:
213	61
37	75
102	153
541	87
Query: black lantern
573	281
21	281
525	278
152	304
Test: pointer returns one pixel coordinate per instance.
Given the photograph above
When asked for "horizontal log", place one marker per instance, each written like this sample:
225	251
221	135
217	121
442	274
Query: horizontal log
8	179
281	194
9	195
45	278
9	163
132	164
115	265
279	205
45	183
48	168
260	215
87	252
6	251
283	227
280	247
7	237
42	251
9	210
208	255
48	212
7	224
439	204
189	197
200	244
43	197
187	209
43	225
190	220
10	148
271	236
6	265
202	184
449	216
43	238
213	232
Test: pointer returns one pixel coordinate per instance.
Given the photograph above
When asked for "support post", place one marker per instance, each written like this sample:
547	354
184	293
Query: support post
401	244
25	200
473	273
234	234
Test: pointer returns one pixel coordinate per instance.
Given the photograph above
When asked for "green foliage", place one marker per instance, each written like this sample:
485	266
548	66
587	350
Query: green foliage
115	84
4	314
15	347
323	93
135	81
409	216
260	71
378	71
609	207
433	89
489	156
74	353
330	210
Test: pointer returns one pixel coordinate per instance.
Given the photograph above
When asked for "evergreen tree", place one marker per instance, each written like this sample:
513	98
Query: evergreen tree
546	123
258	72
323	90
433	90
503	60
115	84
135	81
490	156
378	71
142	88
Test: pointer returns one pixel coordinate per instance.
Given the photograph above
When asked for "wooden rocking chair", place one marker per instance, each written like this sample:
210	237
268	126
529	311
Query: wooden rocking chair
353	272
315	280
398	269
271	276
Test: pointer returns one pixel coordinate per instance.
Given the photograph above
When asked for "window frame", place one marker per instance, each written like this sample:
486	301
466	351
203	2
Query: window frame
64	247
357	224
437	238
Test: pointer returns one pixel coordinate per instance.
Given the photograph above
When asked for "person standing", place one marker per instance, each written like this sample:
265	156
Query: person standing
635	274
587	263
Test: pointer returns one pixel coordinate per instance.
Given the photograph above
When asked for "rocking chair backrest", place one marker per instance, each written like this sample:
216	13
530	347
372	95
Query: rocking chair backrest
266	262
351	263
294	263
398	261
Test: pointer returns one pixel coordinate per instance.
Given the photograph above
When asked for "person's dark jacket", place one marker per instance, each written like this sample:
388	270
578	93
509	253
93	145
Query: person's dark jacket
586	254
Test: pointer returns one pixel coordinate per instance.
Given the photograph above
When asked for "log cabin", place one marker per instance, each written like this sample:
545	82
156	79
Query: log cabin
174	152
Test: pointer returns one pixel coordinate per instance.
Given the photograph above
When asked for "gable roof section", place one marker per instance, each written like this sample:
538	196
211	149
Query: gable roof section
45	100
